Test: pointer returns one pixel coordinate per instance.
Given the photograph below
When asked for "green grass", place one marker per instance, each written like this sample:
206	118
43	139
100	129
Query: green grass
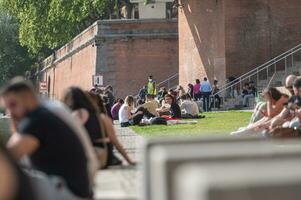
214	123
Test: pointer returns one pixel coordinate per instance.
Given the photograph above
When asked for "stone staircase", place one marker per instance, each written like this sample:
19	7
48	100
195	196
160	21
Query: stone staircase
272	73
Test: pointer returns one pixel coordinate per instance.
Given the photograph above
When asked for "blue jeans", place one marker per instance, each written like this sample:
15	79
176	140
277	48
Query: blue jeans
206	101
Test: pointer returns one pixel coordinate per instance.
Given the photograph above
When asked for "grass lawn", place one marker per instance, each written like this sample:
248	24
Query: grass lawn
214	123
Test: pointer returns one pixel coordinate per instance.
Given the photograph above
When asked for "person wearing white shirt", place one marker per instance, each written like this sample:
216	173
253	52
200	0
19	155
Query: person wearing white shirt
189	108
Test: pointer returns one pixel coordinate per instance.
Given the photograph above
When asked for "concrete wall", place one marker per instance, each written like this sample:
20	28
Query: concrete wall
124	52
222	38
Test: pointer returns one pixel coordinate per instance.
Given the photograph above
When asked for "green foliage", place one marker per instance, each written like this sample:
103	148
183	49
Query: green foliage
14	59
52	23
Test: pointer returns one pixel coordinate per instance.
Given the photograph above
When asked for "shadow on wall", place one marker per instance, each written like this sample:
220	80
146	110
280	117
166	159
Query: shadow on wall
202	18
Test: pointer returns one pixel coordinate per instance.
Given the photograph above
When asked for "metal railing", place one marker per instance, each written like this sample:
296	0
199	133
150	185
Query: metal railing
266	67
169	82
267	70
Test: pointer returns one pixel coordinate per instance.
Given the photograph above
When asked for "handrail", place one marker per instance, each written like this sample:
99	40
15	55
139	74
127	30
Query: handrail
265	65
260	68
168	80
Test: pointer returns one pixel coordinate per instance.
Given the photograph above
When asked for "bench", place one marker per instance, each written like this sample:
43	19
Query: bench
162	158
265	179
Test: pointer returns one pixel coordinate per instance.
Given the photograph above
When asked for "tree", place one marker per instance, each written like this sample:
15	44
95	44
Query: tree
14	59
52	23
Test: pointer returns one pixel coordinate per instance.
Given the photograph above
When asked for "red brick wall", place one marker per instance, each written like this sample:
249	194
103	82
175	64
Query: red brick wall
259	30
138	58
221	38
124	52
201	40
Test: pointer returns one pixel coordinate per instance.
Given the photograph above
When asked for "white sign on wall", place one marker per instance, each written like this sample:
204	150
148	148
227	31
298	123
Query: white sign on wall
97	80
43	86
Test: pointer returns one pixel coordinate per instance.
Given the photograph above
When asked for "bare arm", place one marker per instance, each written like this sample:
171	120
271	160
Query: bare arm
82	115
273	111
8	179
280	119
113	138
22	145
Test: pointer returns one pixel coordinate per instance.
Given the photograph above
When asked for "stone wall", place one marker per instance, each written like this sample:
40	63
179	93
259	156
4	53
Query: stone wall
222	38
124	52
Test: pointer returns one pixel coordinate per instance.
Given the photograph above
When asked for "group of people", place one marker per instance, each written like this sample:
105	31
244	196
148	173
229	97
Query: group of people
152	107
198	91
279	114
61	145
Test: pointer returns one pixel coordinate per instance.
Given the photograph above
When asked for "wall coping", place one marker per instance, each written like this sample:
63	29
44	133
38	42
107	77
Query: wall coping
101	33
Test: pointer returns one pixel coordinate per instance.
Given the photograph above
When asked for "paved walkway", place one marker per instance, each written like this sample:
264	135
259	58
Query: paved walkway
121	183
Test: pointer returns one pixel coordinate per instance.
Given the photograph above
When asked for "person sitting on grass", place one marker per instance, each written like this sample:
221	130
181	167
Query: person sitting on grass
170	109
151	105
110	131
275	103
285	115
115	108
189	108
126	117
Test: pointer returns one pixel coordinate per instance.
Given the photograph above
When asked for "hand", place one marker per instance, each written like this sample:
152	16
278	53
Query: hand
132	163
139	113
13	125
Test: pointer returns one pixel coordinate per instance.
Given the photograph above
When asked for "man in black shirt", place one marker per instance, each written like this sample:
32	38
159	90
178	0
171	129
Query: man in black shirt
52	144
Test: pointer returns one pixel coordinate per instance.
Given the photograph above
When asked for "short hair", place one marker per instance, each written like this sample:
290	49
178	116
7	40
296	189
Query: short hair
150	96
297	83
17	85
197	81
183	97
121	101
205	79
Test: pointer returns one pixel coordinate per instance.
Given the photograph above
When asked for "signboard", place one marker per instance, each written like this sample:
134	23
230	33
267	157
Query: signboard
43	86
97	80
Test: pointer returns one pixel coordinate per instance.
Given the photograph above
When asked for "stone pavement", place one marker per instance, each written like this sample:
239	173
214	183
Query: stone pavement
121	183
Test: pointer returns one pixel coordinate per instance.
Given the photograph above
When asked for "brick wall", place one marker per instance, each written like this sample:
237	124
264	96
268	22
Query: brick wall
222	38
125	52
201	40
259	30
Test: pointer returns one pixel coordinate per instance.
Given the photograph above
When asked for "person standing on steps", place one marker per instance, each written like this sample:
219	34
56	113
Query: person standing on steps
206	91
151	86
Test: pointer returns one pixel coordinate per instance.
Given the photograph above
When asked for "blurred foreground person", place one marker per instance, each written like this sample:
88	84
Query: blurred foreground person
51	141
109	130
13	181
87	111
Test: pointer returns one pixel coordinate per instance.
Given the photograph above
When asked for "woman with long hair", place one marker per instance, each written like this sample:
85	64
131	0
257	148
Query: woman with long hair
275	103
126	117
83	107
108	126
